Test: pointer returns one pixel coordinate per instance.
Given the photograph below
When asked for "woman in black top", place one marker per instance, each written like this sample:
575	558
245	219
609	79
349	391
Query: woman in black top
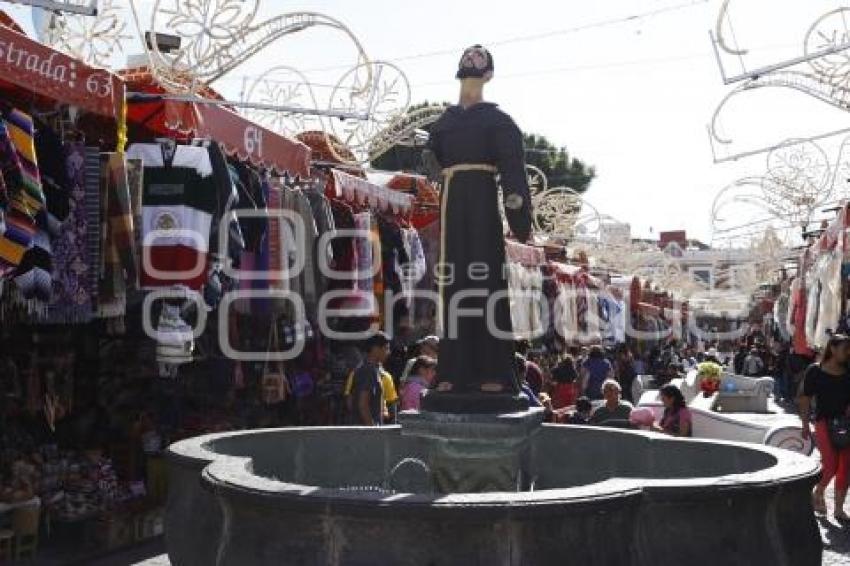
828	385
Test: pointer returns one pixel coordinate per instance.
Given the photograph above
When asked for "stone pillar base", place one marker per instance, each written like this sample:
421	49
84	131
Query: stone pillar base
478	403
476	453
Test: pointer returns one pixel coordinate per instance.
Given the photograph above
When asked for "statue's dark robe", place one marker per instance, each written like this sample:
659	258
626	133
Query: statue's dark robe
472	237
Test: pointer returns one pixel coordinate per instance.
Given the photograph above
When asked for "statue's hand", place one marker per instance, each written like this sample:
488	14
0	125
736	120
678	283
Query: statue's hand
432	166
520	224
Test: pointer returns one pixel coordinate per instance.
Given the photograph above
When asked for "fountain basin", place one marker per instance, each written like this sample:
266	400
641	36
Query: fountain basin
317	497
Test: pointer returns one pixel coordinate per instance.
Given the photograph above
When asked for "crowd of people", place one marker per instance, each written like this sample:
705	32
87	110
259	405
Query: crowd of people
585	386
594	386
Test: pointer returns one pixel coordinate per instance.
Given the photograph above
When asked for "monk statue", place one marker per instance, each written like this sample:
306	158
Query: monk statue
478	148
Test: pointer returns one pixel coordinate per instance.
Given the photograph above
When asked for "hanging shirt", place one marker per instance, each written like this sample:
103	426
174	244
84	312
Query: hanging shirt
227	201
179	202
365	258
566	313
414	270
824	301
525	286
294	201
618	322
343	247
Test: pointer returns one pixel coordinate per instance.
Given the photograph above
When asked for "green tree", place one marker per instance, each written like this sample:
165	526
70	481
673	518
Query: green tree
561	168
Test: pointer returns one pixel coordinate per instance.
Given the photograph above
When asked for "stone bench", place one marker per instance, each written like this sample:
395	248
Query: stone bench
740	394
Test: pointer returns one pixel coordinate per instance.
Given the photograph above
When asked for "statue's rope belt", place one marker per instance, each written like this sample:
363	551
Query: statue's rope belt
448	175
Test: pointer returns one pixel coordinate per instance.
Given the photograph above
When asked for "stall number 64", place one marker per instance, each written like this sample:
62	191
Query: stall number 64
254	141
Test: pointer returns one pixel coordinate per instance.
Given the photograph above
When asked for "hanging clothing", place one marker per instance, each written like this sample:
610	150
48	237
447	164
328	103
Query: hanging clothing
135	183
415	269
227	201
365	260
279	259
179	205
793	298
23	199
618	321
72	296
343	248
119	269
325	228
175	341
526	291
593	327
550	295
780	316
823	308
91	178
378	283
21	131
393	253
799	339
247	263
425	308
582	307
54	176
256	264
472	145
393	256
33	275
298	205
249	187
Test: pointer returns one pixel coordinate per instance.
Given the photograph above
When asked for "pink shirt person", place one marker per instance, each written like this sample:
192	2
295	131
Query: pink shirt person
420	379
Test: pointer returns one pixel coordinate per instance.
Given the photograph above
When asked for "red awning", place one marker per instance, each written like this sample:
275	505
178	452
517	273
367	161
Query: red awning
37	68
236	134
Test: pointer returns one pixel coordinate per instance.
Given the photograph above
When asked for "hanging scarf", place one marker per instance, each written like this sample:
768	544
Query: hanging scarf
135	181
72	260
18	226
119	252
92	211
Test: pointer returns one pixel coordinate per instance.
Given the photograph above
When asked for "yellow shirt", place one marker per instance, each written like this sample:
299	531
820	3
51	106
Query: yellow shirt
387	385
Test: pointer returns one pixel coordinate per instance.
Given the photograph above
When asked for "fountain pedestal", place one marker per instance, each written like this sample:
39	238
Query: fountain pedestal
476	452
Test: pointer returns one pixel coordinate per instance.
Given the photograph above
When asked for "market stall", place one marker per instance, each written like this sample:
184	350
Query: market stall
63	123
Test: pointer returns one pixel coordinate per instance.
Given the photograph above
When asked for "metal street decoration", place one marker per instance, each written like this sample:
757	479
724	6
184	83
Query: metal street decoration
377	90
719	32
799	182
219	35
216	37
94	38
825	77
82	7
562	213
403	128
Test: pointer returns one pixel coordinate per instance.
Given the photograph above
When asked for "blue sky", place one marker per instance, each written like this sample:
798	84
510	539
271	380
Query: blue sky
632	98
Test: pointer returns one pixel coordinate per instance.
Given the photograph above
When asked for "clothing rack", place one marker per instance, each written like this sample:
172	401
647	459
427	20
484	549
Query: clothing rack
355	189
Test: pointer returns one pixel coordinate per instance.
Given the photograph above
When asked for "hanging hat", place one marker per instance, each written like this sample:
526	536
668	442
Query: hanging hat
476	62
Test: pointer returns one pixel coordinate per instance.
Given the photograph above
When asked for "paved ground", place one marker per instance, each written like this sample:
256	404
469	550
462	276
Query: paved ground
836	538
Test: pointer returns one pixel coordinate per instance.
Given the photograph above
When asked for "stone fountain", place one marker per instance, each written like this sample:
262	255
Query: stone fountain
365	496
483	488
